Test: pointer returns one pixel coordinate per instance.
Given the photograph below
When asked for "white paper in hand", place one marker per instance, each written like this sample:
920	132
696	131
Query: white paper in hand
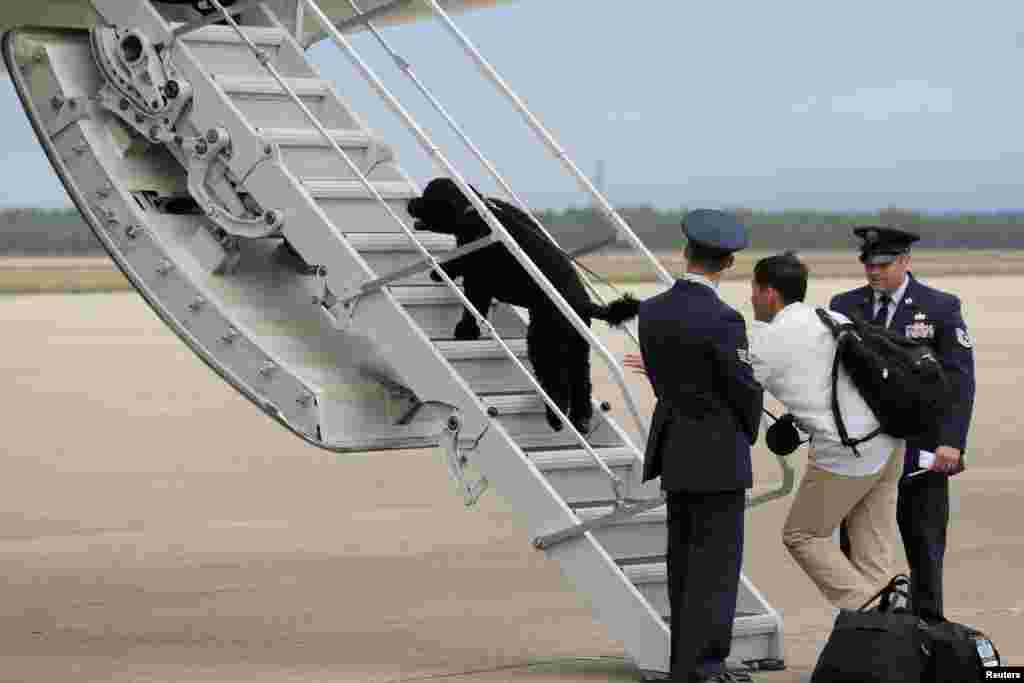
926	459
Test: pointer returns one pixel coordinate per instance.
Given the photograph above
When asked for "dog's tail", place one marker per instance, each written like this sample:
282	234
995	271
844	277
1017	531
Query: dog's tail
619	311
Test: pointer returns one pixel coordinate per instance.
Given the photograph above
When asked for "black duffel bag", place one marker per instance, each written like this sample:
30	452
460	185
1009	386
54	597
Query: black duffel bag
874	646
959	653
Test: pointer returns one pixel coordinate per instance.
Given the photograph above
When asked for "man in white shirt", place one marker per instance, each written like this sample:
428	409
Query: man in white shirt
792	355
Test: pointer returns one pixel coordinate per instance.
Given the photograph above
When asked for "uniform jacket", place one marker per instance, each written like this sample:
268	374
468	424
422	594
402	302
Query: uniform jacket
695	350
933	317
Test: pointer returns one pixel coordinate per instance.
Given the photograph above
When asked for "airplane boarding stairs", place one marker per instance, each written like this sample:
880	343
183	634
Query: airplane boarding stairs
267	240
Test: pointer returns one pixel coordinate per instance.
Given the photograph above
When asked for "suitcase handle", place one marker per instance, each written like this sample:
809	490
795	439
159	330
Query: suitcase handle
888	589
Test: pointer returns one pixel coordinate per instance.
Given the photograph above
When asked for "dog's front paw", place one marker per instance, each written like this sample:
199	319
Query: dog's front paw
467	330
582	425
582	417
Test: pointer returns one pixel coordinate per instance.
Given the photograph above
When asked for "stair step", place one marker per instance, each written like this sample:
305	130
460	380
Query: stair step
221	51
756	636
265	104
486	366
575	475
514	404
256	85
311	137
435	295
530	430
330	188
398	242
390	252
651	579
639	537
437	310
480	349
348	205
306	152
262	36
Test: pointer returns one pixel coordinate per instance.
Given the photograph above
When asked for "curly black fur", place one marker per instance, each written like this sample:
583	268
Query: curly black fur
619	311
559	354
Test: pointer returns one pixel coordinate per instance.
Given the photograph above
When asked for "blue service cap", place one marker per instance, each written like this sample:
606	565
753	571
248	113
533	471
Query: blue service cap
883	245
716	229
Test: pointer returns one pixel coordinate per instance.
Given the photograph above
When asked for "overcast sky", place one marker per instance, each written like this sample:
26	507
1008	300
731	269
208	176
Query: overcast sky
789	104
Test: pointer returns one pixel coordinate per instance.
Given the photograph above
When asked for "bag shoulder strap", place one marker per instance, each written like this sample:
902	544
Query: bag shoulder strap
828	320
838	331
835	327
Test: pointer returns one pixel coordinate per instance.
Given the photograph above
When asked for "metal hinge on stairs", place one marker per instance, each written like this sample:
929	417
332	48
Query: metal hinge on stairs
457	460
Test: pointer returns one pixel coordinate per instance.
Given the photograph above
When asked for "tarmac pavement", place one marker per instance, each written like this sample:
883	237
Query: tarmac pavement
154	526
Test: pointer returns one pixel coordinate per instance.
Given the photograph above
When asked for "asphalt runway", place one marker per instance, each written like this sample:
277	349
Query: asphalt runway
155	526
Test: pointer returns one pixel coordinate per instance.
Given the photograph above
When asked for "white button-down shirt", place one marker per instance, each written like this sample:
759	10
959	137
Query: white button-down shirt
792	358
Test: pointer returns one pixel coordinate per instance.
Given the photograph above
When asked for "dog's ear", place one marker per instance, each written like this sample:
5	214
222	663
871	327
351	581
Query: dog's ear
445	189
435	215
416	207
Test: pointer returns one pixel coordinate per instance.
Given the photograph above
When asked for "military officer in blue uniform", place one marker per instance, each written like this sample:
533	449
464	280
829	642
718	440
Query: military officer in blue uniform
895	299
694	347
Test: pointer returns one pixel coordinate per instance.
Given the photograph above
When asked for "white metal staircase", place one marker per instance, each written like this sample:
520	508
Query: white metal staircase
300	281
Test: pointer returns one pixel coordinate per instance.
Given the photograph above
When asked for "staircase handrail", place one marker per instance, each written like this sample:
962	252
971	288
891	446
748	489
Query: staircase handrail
616	482
484	210
404	66
553	146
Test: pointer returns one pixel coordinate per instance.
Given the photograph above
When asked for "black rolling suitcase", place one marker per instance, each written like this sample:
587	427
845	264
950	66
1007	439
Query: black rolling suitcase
960	653
888	645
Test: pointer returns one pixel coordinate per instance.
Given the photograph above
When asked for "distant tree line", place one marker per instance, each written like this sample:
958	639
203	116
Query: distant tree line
46	232
62	232
660	229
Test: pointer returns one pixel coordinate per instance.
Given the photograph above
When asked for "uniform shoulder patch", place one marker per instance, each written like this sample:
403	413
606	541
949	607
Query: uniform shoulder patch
963	338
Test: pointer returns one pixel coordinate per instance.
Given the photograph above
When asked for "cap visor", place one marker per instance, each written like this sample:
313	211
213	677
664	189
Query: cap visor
878	259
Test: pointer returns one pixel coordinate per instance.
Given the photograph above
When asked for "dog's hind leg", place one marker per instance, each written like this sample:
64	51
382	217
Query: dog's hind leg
479	294
580	386
547	358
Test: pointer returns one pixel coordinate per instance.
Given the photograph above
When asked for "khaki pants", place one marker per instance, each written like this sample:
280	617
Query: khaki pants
869	506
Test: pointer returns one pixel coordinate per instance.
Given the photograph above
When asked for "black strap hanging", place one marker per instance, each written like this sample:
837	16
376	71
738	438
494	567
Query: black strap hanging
840	333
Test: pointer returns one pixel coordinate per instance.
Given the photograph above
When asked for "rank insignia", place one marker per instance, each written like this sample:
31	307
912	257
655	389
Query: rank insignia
920	330
964	338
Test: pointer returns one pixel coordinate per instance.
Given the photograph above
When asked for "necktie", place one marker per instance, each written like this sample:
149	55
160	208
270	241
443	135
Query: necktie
882	315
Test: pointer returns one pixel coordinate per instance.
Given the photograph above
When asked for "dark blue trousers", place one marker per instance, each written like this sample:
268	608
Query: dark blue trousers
705	553
922	512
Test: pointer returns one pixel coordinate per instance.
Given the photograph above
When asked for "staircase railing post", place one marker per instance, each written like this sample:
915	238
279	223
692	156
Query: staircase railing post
492	75
513	247
618	486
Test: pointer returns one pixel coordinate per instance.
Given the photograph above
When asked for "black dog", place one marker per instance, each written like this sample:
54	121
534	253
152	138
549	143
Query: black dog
559	354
